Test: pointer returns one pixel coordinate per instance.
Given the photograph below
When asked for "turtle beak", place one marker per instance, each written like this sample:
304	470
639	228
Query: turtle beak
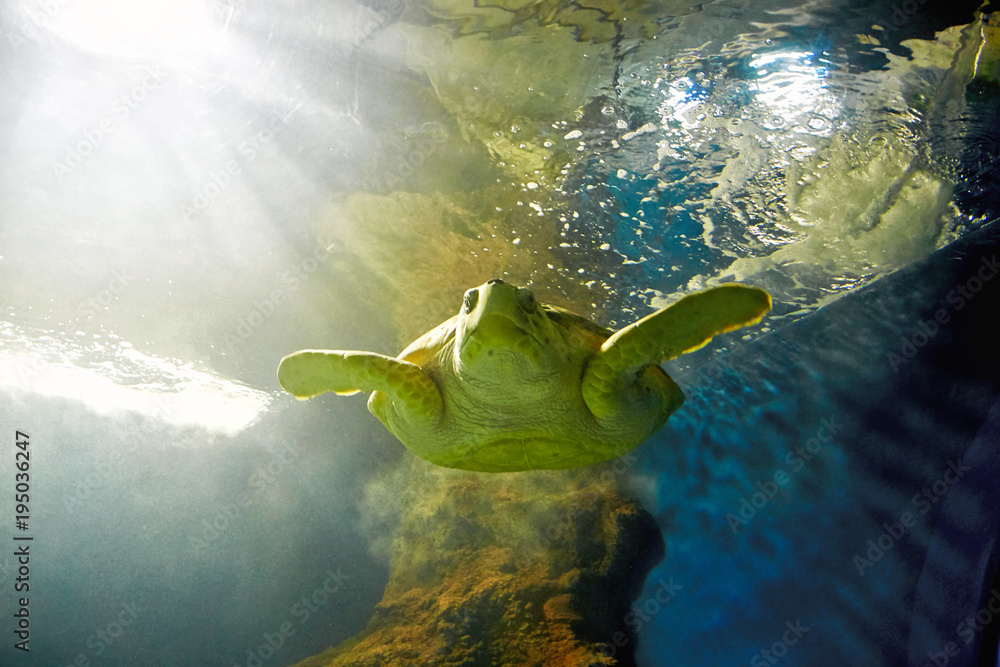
495	314
497	299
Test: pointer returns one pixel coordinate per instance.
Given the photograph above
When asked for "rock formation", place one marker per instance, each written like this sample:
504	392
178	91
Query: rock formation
534	568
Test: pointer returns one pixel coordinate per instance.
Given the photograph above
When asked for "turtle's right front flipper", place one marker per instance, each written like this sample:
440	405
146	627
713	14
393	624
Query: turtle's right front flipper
310	373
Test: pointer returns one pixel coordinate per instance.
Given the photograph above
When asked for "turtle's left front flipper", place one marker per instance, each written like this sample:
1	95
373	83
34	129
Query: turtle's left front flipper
681	327
310	373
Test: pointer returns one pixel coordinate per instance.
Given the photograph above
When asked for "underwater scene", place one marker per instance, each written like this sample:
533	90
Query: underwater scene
678	321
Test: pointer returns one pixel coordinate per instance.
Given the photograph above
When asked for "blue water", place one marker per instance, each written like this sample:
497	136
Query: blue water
894	434
186	198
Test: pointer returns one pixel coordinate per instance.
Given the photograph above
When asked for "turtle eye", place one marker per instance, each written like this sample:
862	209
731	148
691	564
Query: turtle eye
471	299
526	300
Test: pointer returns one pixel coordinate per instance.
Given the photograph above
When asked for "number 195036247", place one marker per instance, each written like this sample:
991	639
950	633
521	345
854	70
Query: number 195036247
22	461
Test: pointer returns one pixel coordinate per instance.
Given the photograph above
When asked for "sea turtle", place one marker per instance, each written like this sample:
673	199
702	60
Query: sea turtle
510	384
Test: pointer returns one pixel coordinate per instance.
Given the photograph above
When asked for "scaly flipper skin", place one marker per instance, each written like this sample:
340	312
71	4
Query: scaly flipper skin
310	373
613	377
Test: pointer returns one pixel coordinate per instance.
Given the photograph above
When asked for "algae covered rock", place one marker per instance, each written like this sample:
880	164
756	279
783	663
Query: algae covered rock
537	568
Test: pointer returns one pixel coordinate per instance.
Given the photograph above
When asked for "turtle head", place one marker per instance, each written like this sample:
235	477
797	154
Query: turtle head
504	335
